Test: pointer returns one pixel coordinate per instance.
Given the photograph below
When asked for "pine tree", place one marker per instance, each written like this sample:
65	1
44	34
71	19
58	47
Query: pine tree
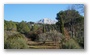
60	17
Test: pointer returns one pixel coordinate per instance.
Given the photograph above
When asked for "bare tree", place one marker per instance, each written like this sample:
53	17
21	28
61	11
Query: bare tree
78	7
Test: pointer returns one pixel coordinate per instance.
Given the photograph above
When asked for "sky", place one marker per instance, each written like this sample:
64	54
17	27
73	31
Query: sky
32	12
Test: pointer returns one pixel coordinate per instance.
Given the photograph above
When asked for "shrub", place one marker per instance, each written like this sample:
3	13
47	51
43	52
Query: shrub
22	27
70	44
50	36
16	41
80	40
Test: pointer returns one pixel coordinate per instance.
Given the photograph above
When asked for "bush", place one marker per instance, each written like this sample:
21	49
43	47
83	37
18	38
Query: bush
16	41
22	27
51	36
80	40
70	44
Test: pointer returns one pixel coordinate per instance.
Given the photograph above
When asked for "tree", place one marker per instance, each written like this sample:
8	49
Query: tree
68	17
5	25
78	7
60	17
10	25
14	26
44	30
23	27
35	27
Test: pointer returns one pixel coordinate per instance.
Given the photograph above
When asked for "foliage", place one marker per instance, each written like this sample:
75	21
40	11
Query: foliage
70	44
35	27
72	20
50	36
44	30
60	17
9	25
69	20
23	27
80	41
16	41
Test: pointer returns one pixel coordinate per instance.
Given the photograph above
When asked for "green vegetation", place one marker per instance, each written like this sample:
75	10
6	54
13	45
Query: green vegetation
51	36
16	41
67	33
71	44
60	17
23	27
9	25
73	22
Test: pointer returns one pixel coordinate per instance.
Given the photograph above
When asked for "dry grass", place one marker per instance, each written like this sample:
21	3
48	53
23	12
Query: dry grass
43	47
40	45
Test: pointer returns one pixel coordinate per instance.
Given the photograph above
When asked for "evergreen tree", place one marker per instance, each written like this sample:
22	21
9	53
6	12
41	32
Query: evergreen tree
23	27
60	17
43	28
10	25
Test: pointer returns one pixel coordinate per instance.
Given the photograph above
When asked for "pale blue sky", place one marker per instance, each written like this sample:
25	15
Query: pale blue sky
32	12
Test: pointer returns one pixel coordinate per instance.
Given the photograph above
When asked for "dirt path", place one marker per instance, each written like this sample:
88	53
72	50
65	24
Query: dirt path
40	45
